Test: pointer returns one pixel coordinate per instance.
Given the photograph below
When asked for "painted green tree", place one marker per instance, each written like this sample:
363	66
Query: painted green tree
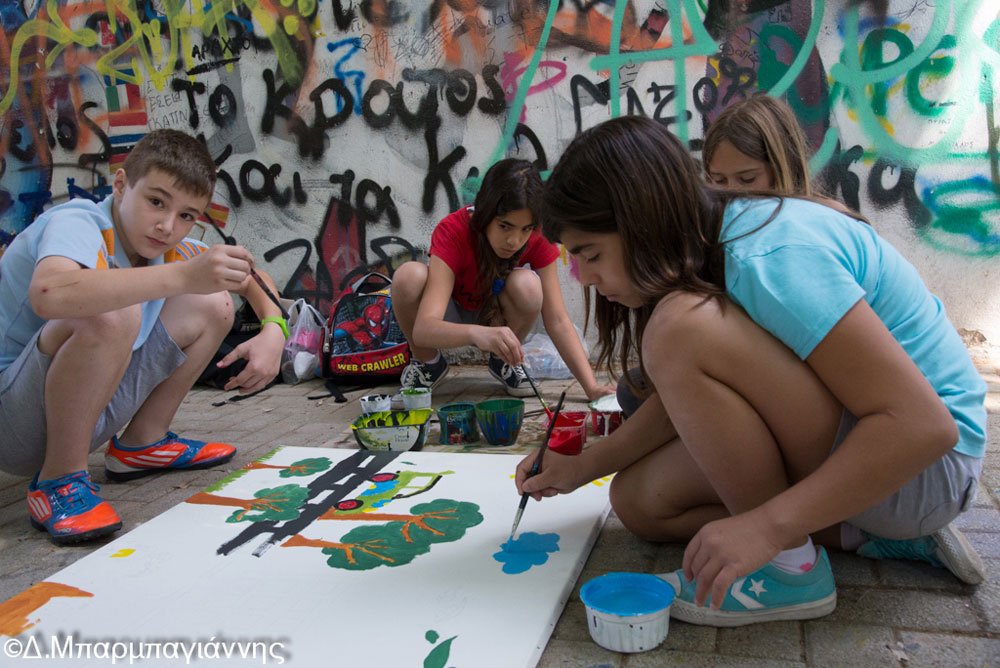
273	503
301	468
397	542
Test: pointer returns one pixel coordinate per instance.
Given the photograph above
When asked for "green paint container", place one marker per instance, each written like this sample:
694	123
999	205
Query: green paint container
458	423
500	420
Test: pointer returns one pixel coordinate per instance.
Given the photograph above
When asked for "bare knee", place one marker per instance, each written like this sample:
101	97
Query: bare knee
408	283
105	330
522	292
635	510
190	317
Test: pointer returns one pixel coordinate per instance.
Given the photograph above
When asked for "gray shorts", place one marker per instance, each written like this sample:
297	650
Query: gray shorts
460	316
926	503
22	399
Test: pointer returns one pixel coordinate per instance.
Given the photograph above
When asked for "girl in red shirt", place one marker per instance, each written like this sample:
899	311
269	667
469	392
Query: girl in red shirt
477	289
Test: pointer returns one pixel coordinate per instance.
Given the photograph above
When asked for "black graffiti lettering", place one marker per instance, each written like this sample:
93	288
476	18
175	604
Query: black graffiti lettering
634	107
67	132
524	131
344	212
496	103
743	79
838	177
705	95
268	188
592	90
222	106
375	119
274	102
343	17
439	171
89	160
322	122
234	196
904	190
23	153
190	88
460	91
382	204
426	111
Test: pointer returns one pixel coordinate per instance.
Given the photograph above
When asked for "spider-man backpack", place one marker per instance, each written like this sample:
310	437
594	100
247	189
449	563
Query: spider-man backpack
364	343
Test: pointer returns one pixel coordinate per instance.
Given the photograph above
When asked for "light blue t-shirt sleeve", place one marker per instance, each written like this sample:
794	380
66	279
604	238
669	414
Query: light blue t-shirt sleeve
76	237
797	293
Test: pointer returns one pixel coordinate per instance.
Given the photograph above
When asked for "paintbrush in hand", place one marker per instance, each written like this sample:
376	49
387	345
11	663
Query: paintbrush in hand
535	388
537	465
231	241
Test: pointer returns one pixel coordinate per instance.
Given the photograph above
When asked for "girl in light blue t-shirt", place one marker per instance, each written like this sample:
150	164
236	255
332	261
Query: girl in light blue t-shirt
807	384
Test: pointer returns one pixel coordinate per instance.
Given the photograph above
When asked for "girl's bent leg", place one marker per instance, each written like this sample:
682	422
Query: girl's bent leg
521	301
408	282
753	417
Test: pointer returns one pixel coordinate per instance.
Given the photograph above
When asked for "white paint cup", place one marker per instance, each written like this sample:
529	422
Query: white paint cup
628	612
416	398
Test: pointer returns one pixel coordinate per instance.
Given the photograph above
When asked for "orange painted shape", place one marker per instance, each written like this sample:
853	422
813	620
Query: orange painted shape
15	610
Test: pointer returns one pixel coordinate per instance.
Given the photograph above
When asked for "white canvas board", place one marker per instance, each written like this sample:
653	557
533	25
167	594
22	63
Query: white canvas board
189	575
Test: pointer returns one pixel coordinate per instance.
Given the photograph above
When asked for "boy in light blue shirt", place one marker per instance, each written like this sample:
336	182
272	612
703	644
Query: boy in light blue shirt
85	351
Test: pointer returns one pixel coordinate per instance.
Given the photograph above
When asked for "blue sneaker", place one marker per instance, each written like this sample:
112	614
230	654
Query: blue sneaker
945	548
768	594
69	508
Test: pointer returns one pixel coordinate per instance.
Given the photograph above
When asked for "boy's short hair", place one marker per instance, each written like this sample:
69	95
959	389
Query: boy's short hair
176	153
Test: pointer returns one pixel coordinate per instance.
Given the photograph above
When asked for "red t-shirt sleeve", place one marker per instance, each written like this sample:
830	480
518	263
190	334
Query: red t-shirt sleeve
539	253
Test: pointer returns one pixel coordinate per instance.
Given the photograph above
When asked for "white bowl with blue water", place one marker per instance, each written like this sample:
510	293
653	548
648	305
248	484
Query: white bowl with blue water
628	612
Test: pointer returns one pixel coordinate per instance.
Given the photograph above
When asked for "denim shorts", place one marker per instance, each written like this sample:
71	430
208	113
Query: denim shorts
928	502
22	399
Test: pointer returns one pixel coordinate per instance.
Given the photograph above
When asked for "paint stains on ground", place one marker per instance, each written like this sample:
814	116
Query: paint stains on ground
438	658
15	610
124	552
527	550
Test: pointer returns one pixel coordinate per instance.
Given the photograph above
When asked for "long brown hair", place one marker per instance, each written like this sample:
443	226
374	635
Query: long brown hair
629	176
765	129
509	185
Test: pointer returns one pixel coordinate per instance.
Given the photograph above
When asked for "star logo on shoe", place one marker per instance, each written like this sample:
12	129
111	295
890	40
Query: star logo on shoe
757	587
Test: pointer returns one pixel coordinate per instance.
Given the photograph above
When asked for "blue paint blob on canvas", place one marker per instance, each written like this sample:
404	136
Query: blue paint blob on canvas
527	550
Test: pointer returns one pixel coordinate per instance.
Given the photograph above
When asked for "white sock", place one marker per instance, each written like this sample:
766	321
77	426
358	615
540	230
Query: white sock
797	560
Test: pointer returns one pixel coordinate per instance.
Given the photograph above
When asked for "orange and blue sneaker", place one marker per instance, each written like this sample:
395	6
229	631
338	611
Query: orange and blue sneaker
170	453
69	509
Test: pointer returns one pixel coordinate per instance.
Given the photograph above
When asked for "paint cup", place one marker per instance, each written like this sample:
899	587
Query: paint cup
396	431
416	398
458	423
605	415
628	612
569	433
375	403
500	420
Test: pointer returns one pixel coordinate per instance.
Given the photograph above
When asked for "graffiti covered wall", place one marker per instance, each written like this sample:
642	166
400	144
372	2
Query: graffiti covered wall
344	129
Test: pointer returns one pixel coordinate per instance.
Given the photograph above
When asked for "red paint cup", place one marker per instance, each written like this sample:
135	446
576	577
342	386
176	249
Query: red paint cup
569	433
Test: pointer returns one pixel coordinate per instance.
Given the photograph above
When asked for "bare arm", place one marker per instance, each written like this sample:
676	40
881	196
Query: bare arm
60	288
646	430
263	351
431	330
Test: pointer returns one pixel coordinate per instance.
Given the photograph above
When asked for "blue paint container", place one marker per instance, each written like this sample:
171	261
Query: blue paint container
628	612
500	420
458	423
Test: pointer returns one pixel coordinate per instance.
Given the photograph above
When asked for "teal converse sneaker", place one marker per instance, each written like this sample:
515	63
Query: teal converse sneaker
945	548
768	594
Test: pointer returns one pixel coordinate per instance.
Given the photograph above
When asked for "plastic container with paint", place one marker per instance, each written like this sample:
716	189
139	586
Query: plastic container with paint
605	415
415	398
628	612
500	420
375	403
569	433
458	423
